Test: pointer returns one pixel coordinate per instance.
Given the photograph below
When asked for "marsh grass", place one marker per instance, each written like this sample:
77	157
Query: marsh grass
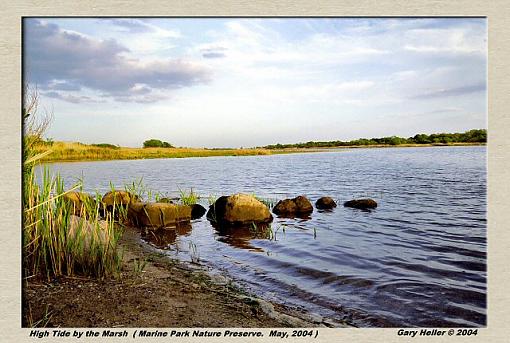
266	201
211	199
139	265
264	231
144	193
55	242
75	151
188	199
41	323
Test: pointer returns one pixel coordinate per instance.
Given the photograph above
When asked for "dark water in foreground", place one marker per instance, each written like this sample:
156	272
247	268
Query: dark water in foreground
419	259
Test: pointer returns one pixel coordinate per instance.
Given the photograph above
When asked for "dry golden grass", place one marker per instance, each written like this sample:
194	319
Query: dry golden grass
66	151
74	151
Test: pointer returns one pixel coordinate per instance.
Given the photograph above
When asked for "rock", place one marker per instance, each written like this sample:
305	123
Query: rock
299	205
134	212
118	198
79	202
197	211
361	203
325	203
285	206
88	233
163	215
303	204
238	210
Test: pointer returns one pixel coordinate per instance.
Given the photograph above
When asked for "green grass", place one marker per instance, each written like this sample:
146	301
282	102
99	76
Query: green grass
139	265
188	199
55	242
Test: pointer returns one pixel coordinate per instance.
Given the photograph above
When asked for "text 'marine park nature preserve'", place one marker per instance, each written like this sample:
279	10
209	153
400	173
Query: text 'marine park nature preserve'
254	172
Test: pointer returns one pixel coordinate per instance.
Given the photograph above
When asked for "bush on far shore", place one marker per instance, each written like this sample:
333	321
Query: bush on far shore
156	143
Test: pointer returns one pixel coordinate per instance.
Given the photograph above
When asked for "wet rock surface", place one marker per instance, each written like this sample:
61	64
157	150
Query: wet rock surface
325	203
117	199
78	202
298	206
361	203
158	215
238	210
197	211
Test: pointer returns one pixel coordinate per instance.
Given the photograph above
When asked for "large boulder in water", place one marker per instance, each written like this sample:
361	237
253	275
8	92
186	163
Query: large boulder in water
79	203
163	215
298	206
118	198
361	203
325	203
238	210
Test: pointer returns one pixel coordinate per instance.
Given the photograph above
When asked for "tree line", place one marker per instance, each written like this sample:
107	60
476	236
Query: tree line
471	136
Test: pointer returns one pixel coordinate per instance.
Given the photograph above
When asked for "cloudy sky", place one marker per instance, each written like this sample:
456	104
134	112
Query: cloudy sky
227	82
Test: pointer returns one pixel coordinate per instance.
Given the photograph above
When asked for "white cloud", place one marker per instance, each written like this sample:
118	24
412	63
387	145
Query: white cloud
330	76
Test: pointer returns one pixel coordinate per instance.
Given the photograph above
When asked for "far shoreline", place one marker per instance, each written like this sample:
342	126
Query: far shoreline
160	153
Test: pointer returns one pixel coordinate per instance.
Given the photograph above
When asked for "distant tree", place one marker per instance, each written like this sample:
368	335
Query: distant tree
421	138
471	136
156	143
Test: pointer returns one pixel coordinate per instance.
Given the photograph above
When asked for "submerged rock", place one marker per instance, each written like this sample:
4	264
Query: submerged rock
238	210
197	211
79	202
325	203
162	215
361	203
298	206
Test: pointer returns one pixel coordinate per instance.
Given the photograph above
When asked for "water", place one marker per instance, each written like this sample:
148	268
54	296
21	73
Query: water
419	259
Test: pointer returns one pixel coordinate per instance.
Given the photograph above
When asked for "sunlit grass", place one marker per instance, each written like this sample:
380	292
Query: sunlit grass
55	241
188	199
67	151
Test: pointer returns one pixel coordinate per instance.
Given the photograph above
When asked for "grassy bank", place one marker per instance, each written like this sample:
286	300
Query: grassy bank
68	152
65	151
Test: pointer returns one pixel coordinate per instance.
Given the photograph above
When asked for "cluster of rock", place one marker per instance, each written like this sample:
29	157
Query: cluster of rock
241	209
155	214
236	210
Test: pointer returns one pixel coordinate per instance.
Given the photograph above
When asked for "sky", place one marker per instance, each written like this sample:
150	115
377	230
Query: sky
246	82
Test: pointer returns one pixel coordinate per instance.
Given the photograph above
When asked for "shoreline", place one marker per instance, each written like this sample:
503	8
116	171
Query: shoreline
166	293
203	153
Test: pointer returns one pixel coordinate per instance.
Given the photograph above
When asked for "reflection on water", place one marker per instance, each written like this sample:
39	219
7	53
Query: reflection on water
240	236
418	259
164	237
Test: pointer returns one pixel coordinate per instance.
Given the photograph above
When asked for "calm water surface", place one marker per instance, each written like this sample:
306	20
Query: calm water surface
419	259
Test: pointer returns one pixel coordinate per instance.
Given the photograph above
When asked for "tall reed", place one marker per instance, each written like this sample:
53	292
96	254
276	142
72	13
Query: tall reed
55	241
